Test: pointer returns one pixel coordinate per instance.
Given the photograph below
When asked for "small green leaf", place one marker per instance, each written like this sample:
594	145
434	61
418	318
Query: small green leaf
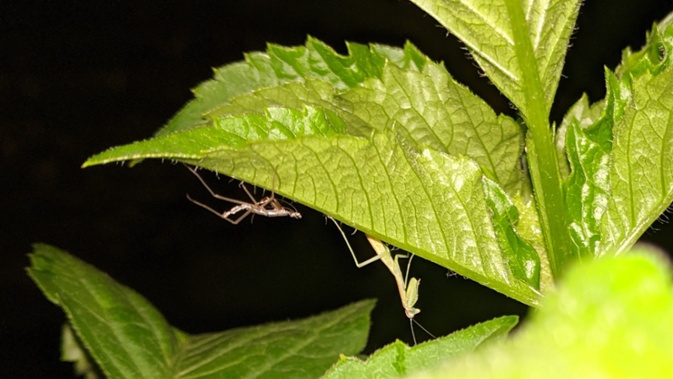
609	318
73	351
128	338
583	113
397	359
522	257
655	56
588	145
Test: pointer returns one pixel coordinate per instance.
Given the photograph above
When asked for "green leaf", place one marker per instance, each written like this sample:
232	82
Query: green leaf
619	182
521	47
434	111
588	143
491	35
426	202
315	143
609	318
128	338
124	334
404	89
284	65
397	359
524	260
583	113
641	182
73	351
294	349
427	106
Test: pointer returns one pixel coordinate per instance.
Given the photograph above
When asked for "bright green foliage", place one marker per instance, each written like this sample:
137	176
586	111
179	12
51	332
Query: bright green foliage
424	201
397	359
128	338
284	66
520	45
491	34
610	318
384	140
523	259
379	174
621	180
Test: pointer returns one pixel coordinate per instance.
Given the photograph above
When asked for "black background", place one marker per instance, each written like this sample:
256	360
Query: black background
77	77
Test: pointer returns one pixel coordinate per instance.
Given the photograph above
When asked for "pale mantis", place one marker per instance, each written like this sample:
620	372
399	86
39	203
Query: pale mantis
408	290
268	206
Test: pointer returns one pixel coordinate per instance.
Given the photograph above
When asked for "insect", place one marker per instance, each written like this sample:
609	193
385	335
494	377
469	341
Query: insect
408	289
268	206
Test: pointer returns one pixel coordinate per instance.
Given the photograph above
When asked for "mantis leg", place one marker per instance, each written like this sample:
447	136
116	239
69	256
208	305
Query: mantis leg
355	259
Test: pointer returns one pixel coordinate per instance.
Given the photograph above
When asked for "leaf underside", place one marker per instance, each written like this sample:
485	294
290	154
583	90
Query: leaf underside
399	152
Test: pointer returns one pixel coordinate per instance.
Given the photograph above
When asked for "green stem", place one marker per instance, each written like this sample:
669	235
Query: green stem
541	151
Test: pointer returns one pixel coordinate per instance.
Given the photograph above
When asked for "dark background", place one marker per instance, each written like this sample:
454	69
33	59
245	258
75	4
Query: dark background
77	77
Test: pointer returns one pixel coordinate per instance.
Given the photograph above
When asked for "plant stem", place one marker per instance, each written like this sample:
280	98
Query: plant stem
540	148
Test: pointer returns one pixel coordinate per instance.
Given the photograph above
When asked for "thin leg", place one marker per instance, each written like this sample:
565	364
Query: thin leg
406	276
224	215
422	328
247	192
397	263
240	218
215	195
355	259
252	197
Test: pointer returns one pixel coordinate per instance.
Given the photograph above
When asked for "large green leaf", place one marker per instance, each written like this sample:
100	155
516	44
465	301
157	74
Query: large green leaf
610	318
397	359
426	202
388	156
125	335
128	337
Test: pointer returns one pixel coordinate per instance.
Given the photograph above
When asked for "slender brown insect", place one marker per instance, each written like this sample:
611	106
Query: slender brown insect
268	206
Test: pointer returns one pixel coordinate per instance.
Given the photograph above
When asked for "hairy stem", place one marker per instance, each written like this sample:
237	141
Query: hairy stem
544	169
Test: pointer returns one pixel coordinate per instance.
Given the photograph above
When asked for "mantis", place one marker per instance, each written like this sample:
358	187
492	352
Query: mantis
268	206
408	289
